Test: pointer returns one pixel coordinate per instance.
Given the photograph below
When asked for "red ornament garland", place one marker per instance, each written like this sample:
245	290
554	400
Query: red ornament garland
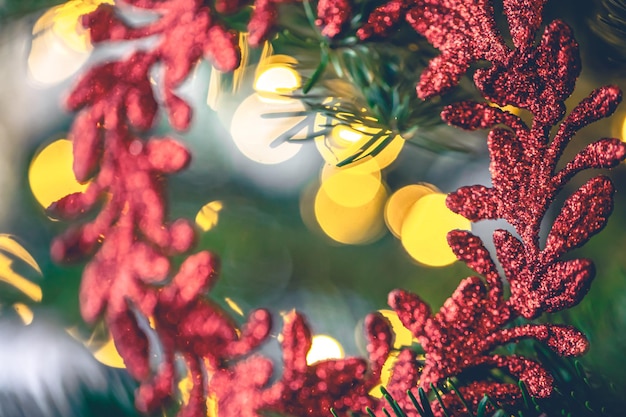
128	279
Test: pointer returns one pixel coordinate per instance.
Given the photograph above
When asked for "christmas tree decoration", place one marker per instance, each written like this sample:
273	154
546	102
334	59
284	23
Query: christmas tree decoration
369	89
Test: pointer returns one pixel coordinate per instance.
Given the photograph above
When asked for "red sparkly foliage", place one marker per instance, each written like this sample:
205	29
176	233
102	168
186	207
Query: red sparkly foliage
129	281
537	77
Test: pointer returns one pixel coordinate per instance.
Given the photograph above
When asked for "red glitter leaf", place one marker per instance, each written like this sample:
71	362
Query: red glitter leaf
473	393
511	253
472	115
566	283
131	343
167	155
381	340
524	19
412	311
470	249
342	384
556	57
584	214
506	151
564	340
88	148
464	32
179	112
141	107
332	15
601	103
561	286
474	202
95	85
604	153
241	390
222	47
73	205
383	19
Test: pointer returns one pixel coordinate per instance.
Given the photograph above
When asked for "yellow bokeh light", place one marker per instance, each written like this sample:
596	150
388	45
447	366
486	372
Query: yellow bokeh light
10	245
208	216
345	134
400	202
403	336
343	142
263	144
234	306
277	80
50	173
425	228
8	275
324	347
350	186
184	388
350	225
64	20
60	44
108	355
509	108
25	313
385	374
622	132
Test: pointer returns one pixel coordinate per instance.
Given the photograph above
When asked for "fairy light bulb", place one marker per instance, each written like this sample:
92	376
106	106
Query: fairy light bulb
208	216
60	45
425	228
50	174
400	202
324	347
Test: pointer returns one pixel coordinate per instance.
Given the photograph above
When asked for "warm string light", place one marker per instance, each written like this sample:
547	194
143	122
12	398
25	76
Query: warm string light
208	216
50	174
60	45
12	252
324	347
275	79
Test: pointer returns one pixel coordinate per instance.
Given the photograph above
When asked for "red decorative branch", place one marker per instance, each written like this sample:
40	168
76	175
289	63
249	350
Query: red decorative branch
128	280
525	182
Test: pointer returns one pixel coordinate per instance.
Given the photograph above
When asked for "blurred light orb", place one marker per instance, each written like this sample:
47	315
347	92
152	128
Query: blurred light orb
276	81
50	174
350	186
324	347
344	141
108	355
234	306
208	216
425	228
403	337
10	252
346	135
258	138
398	205
385	374
351	225
60	44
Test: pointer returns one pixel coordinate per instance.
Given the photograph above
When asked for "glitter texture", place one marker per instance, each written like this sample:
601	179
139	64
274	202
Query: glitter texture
525	181
128	280
332	16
